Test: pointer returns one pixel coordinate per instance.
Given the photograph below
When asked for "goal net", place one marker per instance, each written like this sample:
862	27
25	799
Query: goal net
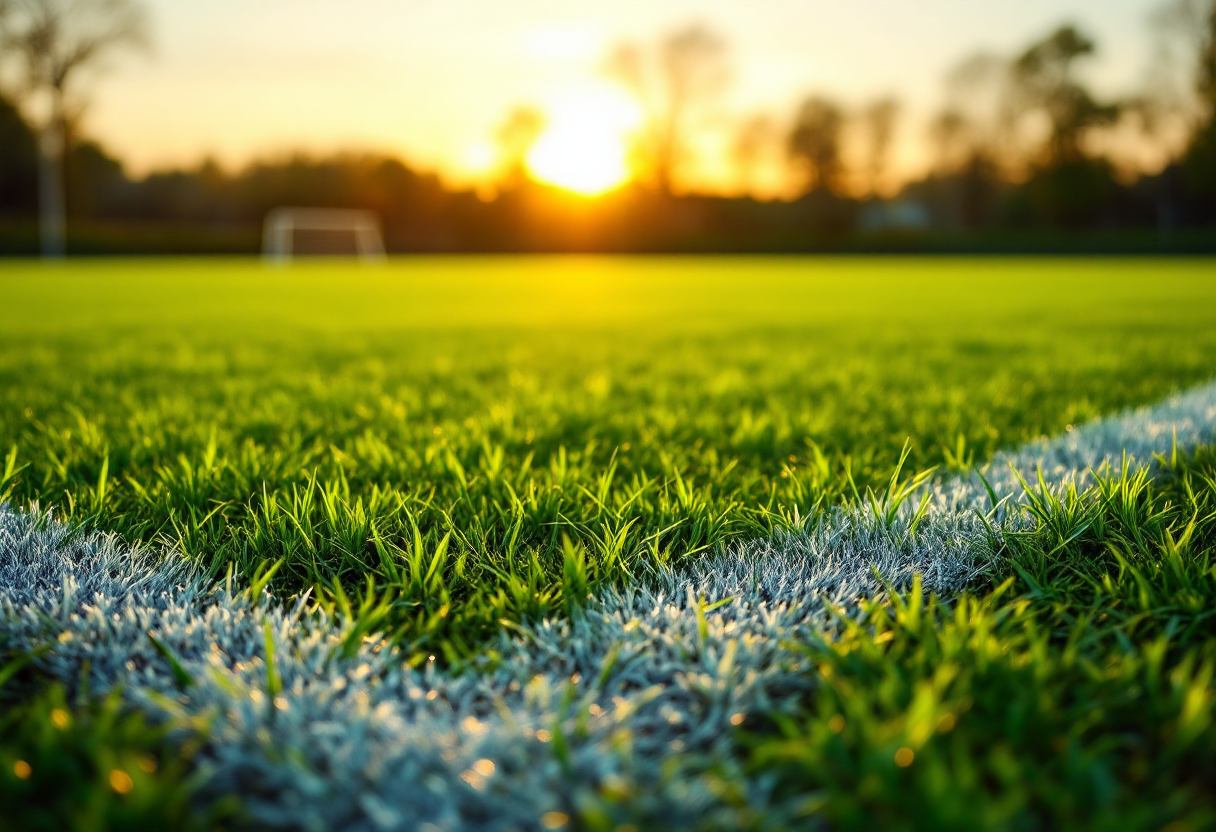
321	232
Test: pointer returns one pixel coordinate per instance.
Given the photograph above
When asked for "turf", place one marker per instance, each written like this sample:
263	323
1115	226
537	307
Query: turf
490	441
642	709
642	410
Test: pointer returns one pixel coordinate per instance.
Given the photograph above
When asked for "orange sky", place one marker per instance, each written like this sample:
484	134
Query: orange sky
431	79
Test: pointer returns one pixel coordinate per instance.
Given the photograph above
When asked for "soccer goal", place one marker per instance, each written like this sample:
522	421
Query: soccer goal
321	232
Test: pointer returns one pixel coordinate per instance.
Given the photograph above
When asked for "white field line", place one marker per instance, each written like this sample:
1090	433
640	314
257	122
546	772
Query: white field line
630	698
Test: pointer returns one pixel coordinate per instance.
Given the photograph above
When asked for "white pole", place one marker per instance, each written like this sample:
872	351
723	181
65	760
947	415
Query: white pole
52	224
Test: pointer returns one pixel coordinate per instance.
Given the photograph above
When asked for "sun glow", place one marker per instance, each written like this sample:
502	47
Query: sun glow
585	147
561	43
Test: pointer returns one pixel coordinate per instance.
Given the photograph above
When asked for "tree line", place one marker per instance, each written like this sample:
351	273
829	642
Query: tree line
1022	147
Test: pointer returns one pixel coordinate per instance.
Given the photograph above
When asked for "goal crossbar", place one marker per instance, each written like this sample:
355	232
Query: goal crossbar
282	225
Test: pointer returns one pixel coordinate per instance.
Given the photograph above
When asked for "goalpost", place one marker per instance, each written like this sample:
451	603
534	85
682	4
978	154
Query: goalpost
321	232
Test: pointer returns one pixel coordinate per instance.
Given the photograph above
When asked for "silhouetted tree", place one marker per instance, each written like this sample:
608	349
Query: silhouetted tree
1173	94
974	125
1068	188
962	188
814	143
1044	81
18	162
879	120
1200	162
1207	64
52	42
686	72
948	135
973	152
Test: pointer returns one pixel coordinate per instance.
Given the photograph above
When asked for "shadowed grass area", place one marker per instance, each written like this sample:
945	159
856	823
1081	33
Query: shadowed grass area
489	439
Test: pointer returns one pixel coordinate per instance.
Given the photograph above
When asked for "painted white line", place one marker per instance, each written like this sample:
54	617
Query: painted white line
630	698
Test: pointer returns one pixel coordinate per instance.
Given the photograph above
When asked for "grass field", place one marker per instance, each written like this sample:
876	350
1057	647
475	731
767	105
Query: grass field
459	447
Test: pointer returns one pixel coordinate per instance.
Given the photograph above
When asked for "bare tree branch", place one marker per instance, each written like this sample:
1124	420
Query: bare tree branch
52	42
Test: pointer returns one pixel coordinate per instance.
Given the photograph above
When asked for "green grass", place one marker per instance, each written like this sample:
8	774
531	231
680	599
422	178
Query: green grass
90	764
1077	694
489	439
105	770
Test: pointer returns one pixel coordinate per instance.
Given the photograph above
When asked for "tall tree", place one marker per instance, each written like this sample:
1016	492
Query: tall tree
1045	81
814	143
974	123
948	133
1200	160
18	162
675	83
53	43
1207	64
1180	65
879	121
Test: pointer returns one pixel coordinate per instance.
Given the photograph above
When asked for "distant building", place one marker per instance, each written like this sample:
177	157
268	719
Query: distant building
897	215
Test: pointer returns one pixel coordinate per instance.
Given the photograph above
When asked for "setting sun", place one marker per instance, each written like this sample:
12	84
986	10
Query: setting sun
585	146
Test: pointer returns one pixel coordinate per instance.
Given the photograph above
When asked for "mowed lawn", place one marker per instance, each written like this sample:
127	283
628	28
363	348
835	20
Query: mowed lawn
466	444
494	437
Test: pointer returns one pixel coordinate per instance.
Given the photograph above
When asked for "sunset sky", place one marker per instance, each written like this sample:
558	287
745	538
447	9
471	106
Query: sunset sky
431	79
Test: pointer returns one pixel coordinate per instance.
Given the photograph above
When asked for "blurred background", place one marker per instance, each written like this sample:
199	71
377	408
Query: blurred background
156	126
